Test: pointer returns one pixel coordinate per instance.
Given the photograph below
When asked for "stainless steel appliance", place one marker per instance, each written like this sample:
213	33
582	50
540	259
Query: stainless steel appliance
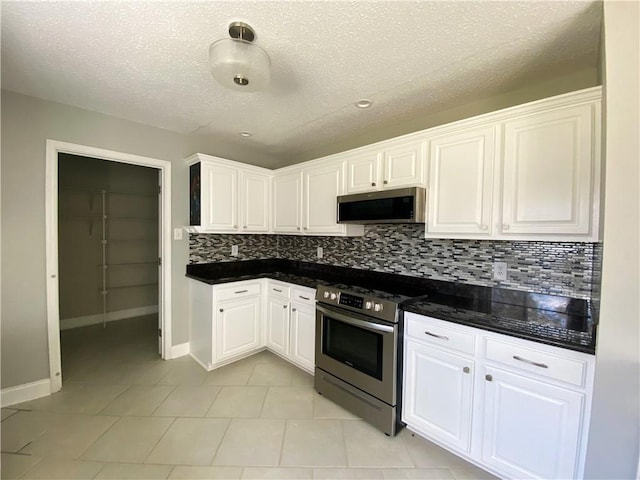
358	352
403	205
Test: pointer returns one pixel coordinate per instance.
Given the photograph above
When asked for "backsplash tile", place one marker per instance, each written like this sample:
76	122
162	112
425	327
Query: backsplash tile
556	268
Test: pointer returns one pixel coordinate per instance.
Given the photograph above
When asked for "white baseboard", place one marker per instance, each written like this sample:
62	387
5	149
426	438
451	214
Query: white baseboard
180	350
25	392
75	322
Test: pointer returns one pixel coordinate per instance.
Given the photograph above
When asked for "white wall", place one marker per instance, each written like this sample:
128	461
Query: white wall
614	441
26	124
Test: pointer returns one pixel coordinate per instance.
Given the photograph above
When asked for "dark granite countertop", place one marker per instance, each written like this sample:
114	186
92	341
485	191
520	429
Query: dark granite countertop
561	321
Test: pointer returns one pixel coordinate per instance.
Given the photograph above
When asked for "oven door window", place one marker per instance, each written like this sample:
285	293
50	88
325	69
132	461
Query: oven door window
357	347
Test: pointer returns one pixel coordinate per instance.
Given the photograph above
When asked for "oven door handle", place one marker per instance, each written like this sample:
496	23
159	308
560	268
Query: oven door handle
354	321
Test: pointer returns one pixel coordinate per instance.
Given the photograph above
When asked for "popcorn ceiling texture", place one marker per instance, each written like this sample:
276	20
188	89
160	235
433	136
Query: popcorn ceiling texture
556	268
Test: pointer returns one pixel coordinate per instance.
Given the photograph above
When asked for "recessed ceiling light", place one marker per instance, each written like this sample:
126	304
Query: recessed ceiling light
364	103
245	134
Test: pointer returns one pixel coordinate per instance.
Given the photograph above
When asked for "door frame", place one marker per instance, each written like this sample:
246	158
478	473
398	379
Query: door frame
53	148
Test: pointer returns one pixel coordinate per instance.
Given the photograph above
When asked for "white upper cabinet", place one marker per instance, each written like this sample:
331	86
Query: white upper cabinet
322	185
549	173
254	203
287	203
461	177
234	197
220	197
388	165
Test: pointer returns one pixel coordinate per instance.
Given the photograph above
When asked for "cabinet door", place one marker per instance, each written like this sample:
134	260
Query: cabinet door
219	197
404	165
303	336
363	172
437	397
461	167
531	429
255	202
287	202
201	322
278	325
321	187
548	173
237	328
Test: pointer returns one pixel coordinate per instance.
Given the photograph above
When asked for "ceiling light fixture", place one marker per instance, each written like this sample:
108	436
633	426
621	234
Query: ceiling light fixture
245	134
238	63
364	103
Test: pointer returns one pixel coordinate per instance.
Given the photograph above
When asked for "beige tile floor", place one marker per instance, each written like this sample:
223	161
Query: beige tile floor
123	413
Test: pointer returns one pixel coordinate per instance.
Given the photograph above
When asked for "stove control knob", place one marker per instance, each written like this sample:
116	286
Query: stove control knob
377	307
333	296
368	305
326	294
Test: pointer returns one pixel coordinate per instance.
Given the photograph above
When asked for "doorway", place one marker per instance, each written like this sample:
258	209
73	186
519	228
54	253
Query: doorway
120	282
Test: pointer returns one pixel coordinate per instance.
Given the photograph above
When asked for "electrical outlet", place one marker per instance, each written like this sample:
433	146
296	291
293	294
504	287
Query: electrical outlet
499	270
234	250
320	252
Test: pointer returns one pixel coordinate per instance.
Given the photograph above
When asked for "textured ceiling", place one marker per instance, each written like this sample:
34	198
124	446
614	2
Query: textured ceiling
148	61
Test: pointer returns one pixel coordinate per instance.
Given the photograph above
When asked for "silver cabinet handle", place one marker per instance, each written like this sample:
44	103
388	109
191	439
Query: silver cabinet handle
221	310
373	184
466	369
488	378
276	290
443	337
306	228
530	362
304	298
241	291
385	182
284	306
294	309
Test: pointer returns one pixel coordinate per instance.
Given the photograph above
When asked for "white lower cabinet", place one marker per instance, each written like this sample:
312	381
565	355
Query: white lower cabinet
531	428
278	325
520	411
444	409
237	328
303	334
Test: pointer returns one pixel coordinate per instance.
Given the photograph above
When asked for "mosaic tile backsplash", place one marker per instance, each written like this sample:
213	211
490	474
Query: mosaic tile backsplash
556	268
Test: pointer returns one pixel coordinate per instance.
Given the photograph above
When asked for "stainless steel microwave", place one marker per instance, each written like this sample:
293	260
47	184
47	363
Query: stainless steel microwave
403	205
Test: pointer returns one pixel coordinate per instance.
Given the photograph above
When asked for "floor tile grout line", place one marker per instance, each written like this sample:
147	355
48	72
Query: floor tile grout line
80	457
220	442
159	439
344	443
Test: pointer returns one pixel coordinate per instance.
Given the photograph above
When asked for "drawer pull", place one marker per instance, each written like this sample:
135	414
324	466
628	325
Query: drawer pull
241	291
466	369
373	184
488	378
304	298
442	337
277	290
221	310
284	306
294	309
530	362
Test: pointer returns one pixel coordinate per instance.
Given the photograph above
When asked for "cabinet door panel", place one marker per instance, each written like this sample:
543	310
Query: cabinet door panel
255	202
278	325
461	182
531	429
362	172
287	202
548	173
437	395
404	165
219	203
237	328
303	335
321	187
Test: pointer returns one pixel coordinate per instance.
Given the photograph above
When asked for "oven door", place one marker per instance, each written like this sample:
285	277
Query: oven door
358	349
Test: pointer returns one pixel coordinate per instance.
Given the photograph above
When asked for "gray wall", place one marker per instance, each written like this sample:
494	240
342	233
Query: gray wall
614	443
27	123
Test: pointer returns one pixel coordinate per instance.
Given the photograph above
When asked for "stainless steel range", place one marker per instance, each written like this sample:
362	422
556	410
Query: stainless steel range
358	352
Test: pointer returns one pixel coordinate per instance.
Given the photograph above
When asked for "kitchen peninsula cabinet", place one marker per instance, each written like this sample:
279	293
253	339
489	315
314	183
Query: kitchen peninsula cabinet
518	408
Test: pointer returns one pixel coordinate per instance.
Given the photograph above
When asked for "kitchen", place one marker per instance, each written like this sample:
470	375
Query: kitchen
45	120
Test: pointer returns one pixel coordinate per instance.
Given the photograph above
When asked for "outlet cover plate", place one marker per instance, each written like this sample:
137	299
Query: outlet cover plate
499	270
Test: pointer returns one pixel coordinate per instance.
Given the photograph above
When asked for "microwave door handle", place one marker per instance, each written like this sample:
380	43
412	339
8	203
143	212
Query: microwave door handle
355	322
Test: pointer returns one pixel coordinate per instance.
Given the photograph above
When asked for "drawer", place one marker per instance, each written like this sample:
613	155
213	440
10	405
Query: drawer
237	290
278	289
546	364
438	332
304	295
